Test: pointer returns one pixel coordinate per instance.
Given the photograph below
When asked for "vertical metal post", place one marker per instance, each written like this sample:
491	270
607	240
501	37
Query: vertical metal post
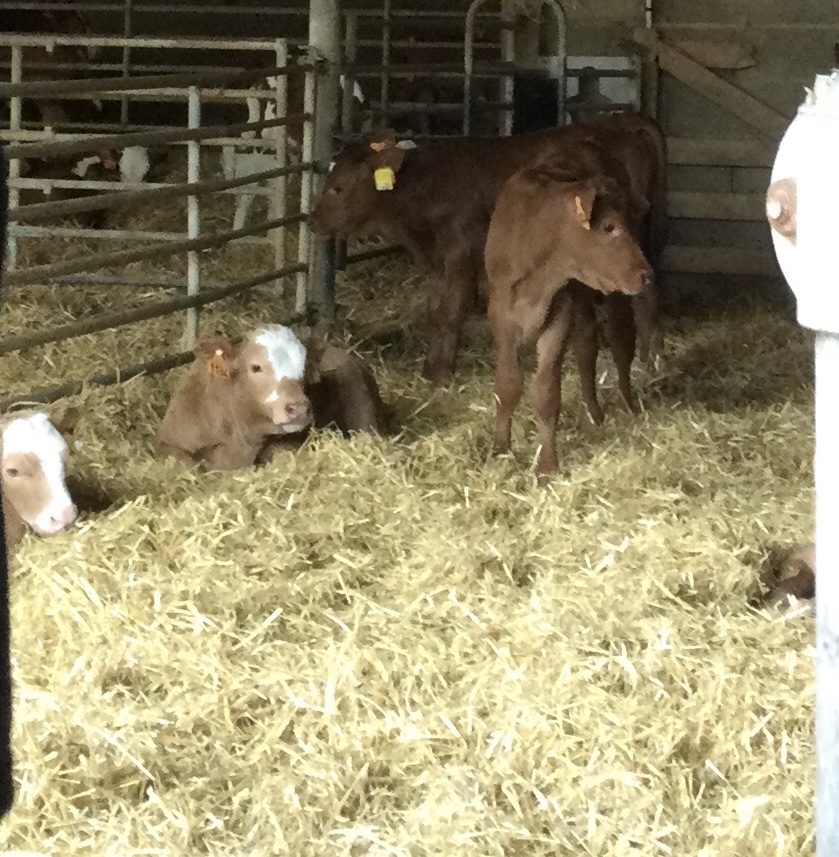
193	172
508	55
304	234
649	77
14	163
278	185
385	96
347	98
127	30
799	206
826	465
324	40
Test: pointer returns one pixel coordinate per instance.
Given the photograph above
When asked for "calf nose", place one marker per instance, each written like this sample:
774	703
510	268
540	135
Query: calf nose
298	410
64	517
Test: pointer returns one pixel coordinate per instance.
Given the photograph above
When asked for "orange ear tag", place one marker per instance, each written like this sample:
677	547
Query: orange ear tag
217	365
378	147
385	178
581	215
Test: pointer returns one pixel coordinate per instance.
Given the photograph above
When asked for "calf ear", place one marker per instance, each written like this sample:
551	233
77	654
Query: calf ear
66	418
583	200
640	204
314	355
218	352
386	157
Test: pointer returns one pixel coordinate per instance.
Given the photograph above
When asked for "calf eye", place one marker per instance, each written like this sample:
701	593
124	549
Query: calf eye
609	227
334	191
255	367
12	472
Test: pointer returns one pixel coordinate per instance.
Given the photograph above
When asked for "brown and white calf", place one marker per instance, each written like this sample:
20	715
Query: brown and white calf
33	452
564	222
237	400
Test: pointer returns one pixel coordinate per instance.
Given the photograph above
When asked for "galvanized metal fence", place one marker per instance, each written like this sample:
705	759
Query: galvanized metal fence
195	89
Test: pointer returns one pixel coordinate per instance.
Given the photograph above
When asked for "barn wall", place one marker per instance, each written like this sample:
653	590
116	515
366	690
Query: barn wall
791	43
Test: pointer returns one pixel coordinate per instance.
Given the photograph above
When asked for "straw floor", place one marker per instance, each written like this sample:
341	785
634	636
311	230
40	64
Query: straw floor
402	647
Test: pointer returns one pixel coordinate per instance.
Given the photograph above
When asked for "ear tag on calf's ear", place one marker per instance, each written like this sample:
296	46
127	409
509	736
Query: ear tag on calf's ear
581	215
217	365
385	178
378	147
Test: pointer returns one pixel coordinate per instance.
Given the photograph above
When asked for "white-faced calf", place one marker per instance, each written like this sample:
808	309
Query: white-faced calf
35	494
236	400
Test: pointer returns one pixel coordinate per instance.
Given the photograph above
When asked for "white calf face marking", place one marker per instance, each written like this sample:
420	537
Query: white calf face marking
286	353
35	439
83	165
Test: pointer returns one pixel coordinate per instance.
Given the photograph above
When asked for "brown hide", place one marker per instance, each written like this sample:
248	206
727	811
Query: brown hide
443	197
795	576
563	224
206	425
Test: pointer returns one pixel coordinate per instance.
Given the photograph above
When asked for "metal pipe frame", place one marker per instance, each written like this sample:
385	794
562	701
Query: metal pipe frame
193	175
110	320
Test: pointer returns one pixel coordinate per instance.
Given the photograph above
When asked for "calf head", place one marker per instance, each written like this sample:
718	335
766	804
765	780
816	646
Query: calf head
265	373
357	178
33	456
596	226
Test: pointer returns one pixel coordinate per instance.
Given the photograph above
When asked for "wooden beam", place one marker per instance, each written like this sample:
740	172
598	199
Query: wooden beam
681	259
716	206
736	101
734	54
719	153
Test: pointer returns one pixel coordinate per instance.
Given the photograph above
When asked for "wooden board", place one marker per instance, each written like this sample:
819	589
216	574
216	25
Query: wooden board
739	103
716	206
681	259
685	151
717	54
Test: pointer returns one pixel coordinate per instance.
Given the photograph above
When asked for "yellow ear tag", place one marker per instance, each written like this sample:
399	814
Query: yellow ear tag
378	147
385	178
581	215
217	365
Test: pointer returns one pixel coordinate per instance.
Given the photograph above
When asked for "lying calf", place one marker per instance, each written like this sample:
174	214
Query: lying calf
35	494
237	400
795	576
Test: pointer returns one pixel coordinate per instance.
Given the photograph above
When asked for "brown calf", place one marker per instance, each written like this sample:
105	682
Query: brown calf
795	576
236	400
563	220
436	199
33	453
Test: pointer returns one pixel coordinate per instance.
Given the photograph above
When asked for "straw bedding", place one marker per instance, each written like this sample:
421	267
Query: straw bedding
402	647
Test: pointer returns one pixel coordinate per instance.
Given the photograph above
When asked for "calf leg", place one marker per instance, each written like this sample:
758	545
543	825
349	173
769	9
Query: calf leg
547	387
620	328
447	303
585	344
509	380
648	324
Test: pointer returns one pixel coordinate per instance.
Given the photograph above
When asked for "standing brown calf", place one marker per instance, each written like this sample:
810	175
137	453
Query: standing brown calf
236	401
565	219
436	198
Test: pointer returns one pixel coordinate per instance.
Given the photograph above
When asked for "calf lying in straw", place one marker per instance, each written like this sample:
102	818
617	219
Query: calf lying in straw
794	576
236	401
33	452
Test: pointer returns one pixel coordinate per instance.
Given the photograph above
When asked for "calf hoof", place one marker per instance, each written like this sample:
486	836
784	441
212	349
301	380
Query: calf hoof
500	447
437	375
593	415
544	478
